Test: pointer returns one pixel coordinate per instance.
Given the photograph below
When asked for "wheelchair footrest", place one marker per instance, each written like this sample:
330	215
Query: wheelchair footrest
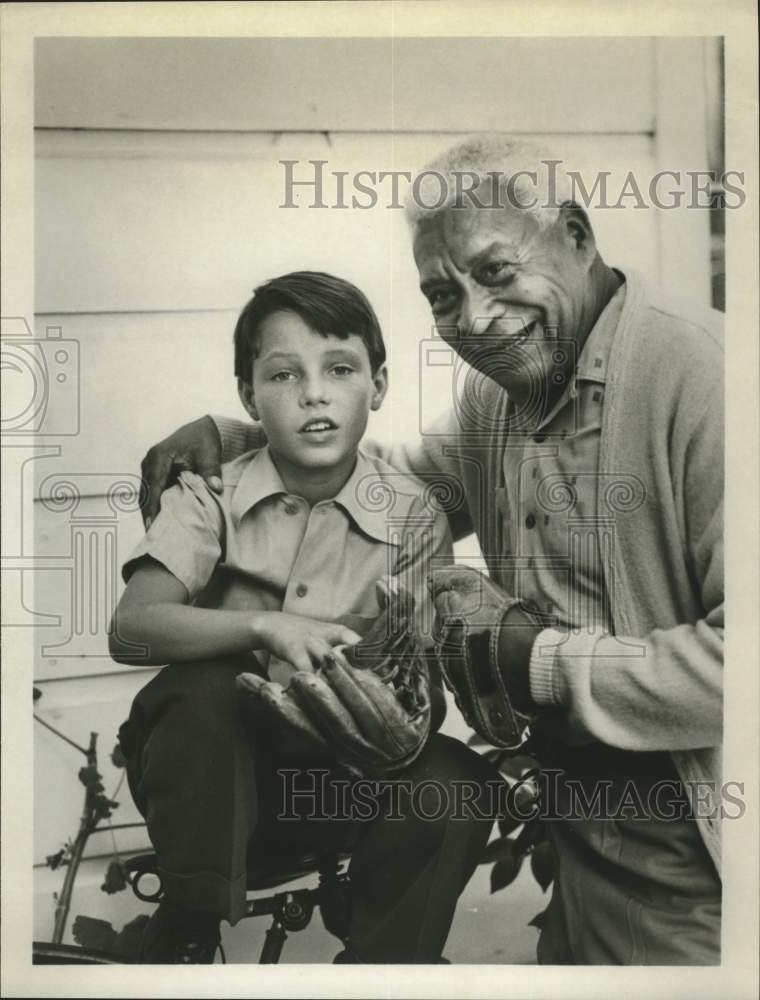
292	909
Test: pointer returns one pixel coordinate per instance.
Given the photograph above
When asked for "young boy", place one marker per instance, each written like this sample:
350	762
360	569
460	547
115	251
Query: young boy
268	578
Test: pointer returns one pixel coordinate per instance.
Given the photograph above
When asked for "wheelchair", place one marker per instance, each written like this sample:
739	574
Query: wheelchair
290	910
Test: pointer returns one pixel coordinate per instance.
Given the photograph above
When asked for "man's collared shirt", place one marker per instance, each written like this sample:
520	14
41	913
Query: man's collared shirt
257	547
551	484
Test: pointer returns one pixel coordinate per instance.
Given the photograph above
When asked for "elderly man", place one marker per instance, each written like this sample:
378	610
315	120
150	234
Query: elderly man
588	441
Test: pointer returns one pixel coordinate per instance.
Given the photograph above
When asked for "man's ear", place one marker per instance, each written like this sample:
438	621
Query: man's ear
247	398
380	384
577	228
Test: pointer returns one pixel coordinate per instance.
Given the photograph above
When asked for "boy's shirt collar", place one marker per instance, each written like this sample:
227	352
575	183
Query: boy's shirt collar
358	497
258	480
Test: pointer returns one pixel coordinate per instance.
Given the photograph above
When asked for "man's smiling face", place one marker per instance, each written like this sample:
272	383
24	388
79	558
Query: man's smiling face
503	291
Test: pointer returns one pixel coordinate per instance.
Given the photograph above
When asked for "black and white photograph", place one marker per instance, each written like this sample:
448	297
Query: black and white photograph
380	532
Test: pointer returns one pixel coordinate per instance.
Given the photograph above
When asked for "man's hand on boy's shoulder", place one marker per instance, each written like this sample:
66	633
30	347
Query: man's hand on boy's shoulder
195	447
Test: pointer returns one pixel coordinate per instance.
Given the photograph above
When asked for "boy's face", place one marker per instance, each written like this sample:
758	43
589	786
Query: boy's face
311	393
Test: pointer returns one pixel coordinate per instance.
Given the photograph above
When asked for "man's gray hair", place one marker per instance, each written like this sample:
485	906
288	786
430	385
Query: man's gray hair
491	171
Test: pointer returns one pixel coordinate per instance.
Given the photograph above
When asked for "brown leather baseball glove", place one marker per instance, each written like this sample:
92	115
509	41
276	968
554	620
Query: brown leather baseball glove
368	706
469	612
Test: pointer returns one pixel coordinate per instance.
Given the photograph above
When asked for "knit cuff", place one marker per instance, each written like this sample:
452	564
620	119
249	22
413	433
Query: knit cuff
555	659
543	671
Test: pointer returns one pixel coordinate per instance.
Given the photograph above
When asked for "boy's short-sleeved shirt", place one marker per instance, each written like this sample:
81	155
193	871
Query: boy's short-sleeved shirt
257	547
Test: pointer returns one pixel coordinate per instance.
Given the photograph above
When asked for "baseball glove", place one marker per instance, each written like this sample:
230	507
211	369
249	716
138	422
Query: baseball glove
368	706
469	612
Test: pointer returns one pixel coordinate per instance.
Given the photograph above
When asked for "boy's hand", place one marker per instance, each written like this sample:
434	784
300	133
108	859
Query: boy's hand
195	447
369	702
303	642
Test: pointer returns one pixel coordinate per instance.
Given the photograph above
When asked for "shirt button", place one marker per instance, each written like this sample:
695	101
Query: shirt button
302	590
539	438
530	521
290	508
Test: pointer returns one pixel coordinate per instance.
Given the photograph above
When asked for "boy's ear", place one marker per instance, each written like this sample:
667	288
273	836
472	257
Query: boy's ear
380	383
245	391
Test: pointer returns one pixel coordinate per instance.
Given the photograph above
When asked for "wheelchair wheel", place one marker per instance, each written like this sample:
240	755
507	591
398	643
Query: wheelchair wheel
47	953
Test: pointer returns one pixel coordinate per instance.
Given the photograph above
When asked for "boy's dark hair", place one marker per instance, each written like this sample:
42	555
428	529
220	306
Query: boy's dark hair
328	304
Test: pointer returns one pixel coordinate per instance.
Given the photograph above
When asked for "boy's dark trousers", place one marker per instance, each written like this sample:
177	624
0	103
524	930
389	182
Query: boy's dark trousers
208	786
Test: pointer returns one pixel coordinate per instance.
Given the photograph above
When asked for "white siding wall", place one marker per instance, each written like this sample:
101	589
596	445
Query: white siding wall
158	188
